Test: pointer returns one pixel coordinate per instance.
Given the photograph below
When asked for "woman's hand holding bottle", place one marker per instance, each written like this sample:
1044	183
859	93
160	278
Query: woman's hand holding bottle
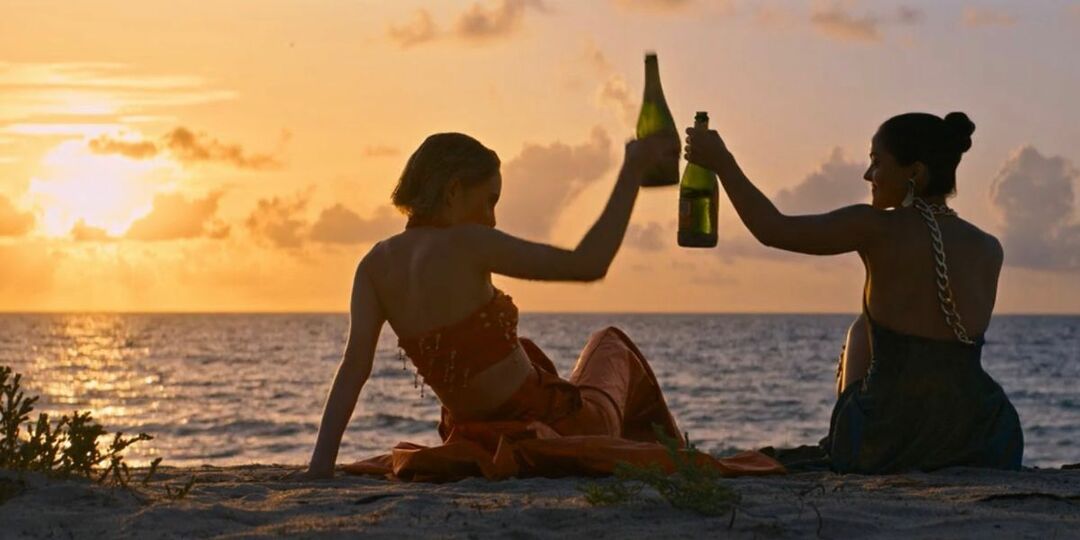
704	147
645	153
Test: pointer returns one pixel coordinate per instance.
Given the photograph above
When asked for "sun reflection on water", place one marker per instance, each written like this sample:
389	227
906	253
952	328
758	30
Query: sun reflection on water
87	363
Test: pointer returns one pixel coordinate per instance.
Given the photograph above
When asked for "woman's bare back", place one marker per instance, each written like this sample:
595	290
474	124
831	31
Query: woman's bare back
902	286
424	280
902	276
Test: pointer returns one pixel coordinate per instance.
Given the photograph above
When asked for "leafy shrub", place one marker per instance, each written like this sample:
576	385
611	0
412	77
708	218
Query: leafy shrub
694	485
65	447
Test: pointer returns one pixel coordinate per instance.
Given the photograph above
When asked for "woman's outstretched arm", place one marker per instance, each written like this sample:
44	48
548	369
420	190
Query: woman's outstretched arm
500	253
365	322
851	228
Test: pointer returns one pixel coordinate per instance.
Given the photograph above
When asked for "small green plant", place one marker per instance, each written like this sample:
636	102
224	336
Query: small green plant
693	485
150	472
63	448
618	492
181	492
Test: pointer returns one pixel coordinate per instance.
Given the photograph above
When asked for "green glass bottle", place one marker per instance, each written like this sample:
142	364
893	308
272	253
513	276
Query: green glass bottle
655	117
698	199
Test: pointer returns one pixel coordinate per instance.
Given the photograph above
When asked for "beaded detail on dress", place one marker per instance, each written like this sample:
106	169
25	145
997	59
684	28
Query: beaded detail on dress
445	357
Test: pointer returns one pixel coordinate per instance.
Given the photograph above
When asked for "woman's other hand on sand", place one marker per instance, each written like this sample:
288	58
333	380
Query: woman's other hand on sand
704	147
309	475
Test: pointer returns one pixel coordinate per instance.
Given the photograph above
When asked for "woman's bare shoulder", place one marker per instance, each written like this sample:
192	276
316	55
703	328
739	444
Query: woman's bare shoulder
994	248
377	258
985	243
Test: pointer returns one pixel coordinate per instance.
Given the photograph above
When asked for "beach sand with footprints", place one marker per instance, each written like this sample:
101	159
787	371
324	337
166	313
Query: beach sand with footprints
252	502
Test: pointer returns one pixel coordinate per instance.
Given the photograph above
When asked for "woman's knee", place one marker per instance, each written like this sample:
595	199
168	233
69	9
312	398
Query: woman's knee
611	337
608	332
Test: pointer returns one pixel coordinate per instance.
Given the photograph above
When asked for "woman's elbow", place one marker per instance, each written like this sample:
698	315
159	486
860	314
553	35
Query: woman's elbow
768	235
771	242
764	238
590	273
767	229
588	268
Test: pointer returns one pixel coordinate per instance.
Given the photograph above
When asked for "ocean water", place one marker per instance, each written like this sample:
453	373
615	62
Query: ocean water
233	389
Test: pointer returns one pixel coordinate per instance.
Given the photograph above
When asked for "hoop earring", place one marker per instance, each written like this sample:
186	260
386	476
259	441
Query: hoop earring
909	199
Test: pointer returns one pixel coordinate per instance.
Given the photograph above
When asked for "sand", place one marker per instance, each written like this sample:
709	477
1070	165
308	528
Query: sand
252	502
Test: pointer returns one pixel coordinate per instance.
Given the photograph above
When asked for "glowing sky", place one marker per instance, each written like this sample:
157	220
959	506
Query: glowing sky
239	155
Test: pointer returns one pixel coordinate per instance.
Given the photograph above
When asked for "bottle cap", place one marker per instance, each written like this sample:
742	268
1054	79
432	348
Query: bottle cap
701	116
650	56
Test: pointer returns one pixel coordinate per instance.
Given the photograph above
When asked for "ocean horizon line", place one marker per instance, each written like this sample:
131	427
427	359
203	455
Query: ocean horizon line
524	312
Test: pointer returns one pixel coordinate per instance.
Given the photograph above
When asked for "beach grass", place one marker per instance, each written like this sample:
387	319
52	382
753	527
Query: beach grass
692	485
64	447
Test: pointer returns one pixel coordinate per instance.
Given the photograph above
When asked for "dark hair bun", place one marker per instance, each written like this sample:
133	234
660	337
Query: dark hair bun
961	128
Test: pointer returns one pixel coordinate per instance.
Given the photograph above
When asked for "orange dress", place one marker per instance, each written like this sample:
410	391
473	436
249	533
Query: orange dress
603	414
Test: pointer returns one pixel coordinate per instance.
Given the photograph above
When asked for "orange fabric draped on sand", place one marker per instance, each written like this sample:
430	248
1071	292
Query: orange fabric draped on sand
602	415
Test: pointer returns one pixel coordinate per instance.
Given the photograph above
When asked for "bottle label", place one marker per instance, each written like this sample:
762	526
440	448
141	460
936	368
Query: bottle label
686	214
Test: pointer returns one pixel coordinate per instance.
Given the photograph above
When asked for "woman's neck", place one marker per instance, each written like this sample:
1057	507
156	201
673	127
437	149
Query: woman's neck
427	221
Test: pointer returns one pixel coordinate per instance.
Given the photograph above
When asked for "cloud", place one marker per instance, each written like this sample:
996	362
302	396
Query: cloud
1035	199
649	237
909	15
81	232
613	92
542	180
173	217
188	147
279	221
838	182
843	26
339	225
381	151
191	147
41	92
480	23
834	21
420	30
980	17
719	7
774	16
12	221
60	129
654	6
105	144
596	58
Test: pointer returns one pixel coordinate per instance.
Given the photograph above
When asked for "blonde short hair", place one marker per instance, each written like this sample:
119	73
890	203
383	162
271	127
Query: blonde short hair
439	159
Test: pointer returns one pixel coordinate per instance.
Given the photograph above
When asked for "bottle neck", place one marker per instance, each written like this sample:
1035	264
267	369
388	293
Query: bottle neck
652	78
701	124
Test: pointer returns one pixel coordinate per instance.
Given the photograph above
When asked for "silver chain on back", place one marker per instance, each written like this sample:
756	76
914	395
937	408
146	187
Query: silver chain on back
945	296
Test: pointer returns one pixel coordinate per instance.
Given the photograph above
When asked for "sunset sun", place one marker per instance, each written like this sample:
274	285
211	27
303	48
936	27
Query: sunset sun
106	192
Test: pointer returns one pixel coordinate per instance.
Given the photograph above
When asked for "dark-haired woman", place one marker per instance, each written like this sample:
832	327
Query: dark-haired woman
912	393
505	410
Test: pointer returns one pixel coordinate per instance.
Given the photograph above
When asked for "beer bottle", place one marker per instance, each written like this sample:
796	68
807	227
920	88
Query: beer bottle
698	198
655	117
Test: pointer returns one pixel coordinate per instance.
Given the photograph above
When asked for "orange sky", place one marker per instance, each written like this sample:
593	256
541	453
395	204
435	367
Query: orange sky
239	156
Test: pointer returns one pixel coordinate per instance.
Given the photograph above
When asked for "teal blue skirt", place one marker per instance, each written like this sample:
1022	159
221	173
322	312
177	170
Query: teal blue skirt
923	405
